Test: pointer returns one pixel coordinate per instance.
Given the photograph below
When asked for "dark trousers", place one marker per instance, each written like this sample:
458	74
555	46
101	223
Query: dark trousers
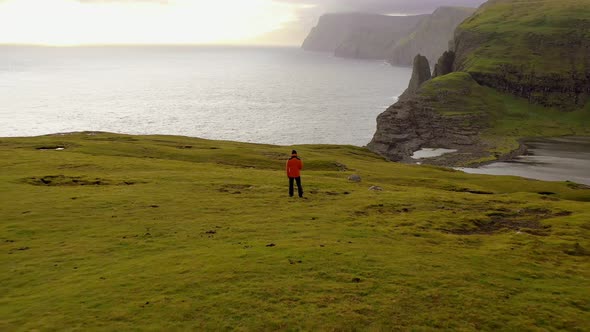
299	187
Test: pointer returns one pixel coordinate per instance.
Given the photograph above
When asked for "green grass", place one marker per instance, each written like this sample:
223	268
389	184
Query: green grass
458	94
174	237
538	37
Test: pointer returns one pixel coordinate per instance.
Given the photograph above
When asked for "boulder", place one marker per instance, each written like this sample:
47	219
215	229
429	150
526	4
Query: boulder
354	178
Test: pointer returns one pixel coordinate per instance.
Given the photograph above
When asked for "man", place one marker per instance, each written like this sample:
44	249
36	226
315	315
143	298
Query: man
294	166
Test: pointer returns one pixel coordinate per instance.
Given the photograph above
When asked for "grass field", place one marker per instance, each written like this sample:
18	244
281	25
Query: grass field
126	233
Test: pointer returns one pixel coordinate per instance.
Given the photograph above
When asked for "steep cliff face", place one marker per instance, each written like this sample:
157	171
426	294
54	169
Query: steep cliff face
446	112
431	37
445	64
539	51
359	35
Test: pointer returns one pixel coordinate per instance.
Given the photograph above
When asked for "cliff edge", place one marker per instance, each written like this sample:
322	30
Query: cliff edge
359	35
514	71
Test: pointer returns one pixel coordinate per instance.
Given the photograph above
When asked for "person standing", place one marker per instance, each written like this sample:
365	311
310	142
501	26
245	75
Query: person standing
294	167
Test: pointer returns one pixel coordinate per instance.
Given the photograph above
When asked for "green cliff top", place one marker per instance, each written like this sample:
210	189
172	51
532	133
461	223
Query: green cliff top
539	37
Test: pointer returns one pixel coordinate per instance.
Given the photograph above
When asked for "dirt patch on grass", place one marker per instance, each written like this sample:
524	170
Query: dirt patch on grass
526	220
577	250
467	190
94	137
51	147
276	155
384	209
189	147
63	180
235	188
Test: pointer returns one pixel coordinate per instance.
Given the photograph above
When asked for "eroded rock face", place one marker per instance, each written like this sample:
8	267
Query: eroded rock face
420	74
431	37
410	125
445	64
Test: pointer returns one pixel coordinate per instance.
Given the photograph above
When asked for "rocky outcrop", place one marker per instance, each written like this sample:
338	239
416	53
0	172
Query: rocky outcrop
420	74
445	64
431	37
537	52
417	120
412	124
359	35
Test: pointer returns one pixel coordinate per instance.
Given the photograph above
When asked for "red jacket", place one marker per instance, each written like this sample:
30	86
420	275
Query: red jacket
294	166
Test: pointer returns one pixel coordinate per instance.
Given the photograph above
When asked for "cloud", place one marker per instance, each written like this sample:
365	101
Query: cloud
75	22
385	6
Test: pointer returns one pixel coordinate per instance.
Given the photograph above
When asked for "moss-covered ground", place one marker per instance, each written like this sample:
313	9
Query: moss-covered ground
538	37
124	233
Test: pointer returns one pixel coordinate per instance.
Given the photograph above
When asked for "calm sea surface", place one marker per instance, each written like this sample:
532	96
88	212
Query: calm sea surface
263	95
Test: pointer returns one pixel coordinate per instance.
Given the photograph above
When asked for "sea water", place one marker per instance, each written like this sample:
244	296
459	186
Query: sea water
250	94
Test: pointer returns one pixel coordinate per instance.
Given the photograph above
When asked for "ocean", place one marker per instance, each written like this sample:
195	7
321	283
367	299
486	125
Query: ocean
269	95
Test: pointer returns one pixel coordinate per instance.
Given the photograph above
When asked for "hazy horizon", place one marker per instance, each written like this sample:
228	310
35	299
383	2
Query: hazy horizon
183	22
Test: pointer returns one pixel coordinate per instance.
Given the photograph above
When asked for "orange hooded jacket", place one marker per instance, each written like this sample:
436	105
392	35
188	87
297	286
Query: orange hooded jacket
294	166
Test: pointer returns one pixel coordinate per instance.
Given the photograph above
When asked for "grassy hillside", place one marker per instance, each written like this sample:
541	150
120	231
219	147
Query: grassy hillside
544	36
123	232
537	49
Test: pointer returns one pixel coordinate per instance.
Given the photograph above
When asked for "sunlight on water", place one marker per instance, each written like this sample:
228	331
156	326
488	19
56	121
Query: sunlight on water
263	95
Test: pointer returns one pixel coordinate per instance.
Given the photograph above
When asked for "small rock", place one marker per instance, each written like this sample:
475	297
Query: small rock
354	178
375	188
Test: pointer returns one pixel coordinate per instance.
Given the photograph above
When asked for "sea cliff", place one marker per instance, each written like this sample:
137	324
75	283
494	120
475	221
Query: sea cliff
507	76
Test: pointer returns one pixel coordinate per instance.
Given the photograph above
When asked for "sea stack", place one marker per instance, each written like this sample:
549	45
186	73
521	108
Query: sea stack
420	74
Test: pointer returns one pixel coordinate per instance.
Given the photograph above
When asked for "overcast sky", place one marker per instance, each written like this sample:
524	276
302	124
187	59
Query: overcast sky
73	22
307	16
